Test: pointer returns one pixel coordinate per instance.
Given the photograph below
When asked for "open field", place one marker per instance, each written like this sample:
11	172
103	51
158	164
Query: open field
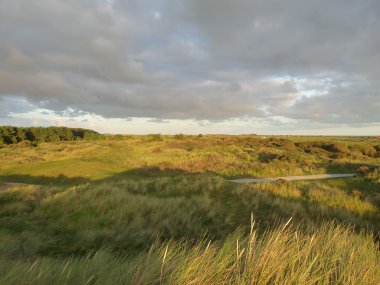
160	210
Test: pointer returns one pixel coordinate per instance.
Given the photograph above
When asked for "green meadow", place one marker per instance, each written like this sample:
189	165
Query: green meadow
160	209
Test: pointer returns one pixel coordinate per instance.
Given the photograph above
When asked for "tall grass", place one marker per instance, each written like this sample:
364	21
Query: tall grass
128	215
331	254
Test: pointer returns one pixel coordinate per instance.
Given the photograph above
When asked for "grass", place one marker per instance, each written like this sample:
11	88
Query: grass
227	156
284	255
159	210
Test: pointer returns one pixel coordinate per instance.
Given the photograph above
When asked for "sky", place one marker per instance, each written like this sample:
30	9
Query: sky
192	66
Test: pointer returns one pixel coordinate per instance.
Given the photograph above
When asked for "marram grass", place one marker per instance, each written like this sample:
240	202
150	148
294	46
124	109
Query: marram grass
330	254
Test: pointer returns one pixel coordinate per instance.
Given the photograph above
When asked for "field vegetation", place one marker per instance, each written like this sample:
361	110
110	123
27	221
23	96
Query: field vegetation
161	210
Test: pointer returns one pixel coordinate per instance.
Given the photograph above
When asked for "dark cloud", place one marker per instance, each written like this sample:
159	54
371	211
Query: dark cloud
10	105
201	59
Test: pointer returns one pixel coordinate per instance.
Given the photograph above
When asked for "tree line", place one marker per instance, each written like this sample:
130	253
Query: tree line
35	135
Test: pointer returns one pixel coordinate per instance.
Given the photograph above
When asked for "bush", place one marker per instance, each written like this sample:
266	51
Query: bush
25	143
155	138
369	150
179	136
266	157
362	169
339	148
282	181
165	165
289	145
157	150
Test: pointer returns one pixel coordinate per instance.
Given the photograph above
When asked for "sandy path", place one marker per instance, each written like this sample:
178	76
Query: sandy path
293	178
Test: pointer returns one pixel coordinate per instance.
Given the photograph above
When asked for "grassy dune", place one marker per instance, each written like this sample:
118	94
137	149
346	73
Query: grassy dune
228	156
159	210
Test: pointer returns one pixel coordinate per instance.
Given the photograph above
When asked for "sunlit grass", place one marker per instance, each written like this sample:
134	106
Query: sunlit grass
228	156
284	255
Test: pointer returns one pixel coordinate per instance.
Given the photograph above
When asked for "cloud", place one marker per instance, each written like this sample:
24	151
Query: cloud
10	105
193	59
158	121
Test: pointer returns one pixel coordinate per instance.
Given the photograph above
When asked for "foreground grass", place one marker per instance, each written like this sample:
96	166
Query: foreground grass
330	254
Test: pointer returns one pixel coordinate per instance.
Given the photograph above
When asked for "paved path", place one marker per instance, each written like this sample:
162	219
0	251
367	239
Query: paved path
293	178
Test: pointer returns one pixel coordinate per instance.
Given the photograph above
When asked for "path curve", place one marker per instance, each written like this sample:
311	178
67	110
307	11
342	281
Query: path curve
292	178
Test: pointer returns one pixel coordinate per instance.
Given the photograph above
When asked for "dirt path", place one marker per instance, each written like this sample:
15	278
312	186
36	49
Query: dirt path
293	178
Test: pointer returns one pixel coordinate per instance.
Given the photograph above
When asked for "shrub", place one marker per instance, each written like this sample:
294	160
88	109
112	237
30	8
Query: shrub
155	137
357	149
289	145
369	150
267	157
165	165
282	181
362	169
374	174
179	136
25	143
339	148
157	150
